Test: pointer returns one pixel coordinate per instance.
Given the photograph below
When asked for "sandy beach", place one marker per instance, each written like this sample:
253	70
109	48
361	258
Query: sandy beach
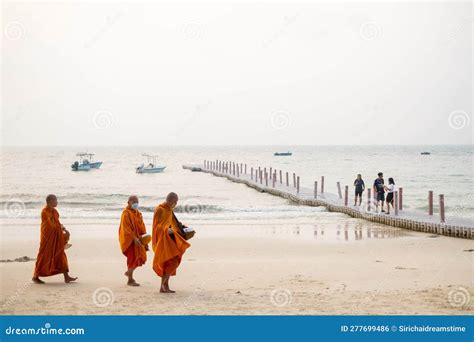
234	271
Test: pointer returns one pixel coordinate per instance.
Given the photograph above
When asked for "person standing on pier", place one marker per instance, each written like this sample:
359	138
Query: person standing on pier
359	189
131	230
52	258
379	189
390	191
167	242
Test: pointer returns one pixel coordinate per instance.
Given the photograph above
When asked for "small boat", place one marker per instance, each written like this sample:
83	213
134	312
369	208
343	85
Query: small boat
283	153
85	162
151	167
425	153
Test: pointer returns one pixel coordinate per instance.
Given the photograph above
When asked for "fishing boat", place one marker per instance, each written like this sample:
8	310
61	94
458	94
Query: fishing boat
425	153
288	153
85	162
151	166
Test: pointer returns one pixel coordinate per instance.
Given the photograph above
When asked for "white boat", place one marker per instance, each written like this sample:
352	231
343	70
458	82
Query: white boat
151	166
85	162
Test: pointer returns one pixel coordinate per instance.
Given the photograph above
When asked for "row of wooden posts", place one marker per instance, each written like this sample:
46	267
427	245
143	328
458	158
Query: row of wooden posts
270	175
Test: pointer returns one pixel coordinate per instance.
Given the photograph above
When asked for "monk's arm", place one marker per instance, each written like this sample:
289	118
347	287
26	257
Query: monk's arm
142	227
126	224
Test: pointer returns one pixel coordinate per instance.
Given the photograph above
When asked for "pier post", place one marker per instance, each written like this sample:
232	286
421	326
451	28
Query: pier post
287	182
339	189
281	178
294	180
245	168
266	179
395	199
274	177
204	163
430	203
369	197
322	185
271	172
316	189
261	176
241	167
298	184
442	218
400	198
251	173
238	172
346	195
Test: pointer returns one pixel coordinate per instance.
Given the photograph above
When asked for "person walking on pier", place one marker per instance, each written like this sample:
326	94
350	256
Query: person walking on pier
379	189
390	191
359	189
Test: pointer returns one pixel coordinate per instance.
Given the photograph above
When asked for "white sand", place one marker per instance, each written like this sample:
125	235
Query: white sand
223	274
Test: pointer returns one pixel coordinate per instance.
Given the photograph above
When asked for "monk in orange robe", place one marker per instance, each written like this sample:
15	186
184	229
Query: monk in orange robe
168	245
52	258
131	230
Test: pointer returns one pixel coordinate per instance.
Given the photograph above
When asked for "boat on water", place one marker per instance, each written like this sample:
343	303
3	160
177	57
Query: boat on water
85	162
151	166
425	153
288	153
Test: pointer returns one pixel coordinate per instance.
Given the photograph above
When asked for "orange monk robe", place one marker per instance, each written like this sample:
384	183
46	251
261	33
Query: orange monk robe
168	251
132	227
51	258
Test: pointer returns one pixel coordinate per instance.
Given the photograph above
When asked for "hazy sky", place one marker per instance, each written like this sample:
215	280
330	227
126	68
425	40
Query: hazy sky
249	73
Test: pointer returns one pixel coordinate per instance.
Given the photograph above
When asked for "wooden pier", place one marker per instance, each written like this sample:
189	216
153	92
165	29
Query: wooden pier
272	181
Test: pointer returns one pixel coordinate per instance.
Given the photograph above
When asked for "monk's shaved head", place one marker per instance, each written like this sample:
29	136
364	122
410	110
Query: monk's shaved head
172	199
51	200
172	196
133	199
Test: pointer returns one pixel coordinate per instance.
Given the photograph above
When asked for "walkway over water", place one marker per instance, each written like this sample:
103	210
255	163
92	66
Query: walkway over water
278	183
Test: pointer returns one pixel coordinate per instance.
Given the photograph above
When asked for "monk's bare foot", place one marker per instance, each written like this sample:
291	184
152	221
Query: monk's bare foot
164	289
69	279
132	283
126	273
37	280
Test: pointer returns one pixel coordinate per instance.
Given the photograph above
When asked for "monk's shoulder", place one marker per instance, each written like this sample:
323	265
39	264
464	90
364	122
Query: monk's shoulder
125	214
46	212
158	210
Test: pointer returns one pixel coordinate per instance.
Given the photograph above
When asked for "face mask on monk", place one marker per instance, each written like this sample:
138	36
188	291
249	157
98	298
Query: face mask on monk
134	205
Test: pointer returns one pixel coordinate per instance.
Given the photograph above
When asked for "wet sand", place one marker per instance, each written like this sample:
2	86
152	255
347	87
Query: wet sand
304	269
